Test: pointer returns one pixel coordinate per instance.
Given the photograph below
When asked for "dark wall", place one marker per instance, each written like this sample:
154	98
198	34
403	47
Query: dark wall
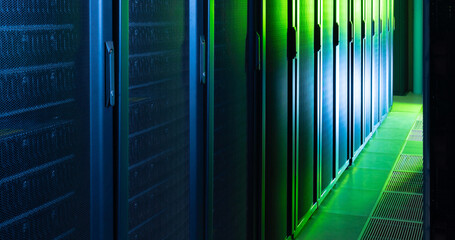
439	65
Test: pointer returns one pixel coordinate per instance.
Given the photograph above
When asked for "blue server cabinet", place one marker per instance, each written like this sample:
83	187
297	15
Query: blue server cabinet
50	72
342	92
154	120
376	65
383	36
367	61
326	95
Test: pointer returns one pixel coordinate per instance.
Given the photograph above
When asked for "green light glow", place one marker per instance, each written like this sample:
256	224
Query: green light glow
418	46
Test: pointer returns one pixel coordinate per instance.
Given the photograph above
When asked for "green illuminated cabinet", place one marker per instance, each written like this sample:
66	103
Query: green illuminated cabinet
305	179
275	119
342	83
326	95
376	84
357	77
367	65
384	71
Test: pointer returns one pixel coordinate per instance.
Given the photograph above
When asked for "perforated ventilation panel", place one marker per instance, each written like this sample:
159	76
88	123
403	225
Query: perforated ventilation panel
416	135
159	120
386	229
400	206
44	120
407	182
409	163
398	213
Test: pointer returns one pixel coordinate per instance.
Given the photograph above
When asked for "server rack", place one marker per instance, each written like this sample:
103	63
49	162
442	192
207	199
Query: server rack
343	83
154	116
391	50
275	129
357	80
49	118
231	107
305	77
383	58
326	96
376	86
367	57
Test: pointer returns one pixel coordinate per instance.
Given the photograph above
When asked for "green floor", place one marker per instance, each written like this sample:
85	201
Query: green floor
345	211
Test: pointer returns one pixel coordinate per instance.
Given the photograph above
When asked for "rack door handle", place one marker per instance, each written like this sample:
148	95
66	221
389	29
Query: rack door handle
110	74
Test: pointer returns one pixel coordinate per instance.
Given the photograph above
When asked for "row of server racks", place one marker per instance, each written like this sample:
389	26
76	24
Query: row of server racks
184	119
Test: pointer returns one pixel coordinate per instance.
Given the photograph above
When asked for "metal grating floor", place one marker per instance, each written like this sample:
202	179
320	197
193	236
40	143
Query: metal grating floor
398	214
400	206
418	125
407	182
409	163
416	135
391	229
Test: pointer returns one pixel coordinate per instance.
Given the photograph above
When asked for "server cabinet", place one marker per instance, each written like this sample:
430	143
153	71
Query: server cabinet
275	119
154	117
383	86
45	119
357	80
343	81
326	96
230	96
367	62
391	50
305	177
376	69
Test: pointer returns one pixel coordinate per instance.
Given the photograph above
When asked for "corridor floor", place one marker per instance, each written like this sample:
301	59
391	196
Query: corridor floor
346	210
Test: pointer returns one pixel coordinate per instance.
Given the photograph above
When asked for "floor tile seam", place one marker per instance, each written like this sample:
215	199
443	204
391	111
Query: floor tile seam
341	213
397	220
359	188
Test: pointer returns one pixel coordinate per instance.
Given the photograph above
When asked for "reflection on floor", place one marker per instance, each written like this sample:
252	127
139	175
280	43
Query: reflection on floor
377	178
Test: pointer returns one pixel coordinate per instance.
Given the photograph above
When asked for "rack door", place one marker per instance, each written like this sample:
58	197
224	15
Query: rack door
367	61
357	81
275	118
44	120
343	78
229	99
376	84
305	155
154	152
326	97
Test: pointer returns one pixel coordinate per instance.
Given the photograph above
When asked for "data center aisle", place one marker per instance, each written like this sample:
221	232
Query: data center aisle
346	210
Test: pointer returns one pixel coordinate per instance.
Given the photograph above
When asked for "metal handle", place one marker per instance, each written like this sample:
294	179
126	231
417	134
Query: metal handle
336	33
350	32
258	51
317	38
110	74
202	56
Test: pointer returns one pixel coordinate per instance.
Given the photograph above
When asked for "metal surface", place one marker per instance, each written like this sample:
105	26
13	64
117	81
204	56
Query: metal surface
327	83
228	96
357	81
45	119
376	84
157	162
276	97
391	229
407	182
305	166
367	69
343	78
